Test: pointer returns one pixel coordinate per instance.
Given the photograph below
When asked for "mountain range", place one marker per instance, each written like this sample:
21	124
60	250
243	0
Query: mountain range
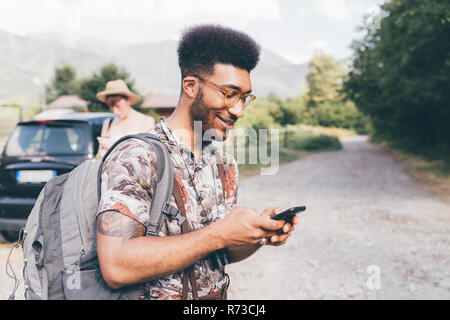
27	63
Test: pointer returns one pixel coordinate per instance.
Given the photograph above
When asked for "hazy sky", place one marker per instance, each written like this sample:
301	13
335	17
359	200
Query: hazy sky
292	28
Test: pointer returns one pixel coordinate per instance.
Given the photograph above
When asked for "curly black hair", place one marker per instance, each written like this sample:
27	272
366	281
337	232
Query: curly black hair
202	46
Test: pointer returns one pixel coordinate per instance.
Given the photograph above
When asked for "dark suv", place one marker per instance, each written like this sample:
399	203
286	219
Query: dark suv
37	151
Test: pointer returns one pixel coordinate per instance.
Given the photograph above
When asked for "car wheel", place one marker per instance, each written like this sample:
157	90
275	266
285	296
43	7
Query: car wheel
10	236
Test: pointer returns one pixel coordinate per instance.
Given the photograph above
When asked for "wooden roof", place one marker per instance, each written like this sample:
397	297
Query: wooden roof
68	102
160	102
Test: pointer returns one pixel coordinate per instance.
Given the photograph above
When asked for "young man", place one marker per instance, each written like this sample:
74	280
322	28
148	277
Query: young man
215	64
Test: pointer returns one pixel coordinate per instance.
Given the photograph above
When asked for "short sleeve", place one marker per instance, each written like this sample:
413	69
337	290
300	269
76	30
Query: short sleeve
127	180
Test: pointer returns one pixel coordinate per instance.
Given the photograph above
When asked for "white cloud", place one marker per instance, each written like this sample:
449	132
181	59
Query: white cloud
236	10
334	9
296	57
24	16
303	11
305	55
318	45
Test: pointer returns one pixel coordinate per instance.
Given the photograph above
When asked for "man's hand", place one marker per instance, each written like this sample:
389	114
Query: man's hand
278	235
285	232
242	226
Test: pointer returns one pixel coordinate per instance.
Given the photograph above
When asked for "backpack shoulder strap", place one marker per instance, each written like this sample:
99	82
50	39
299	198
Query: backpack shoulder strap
163	189
164	185
188	273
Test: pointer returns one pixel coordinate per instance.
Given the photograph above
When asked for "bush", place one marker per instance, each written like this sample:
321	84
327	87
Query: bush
314	143
298	106
283	113
337	114
258	115
273	112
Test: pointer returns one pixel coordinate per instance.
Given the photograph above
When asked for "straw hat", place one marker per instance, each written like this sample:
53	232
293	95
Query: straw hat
117	87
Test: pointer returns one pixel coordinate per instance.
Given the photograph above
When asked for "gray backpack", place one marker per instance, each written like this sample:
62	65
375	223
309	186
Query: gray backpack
59	246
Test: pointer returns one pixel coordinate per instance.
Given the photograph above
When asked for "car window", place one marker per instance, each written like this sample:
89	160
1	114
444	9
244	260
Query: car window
49	139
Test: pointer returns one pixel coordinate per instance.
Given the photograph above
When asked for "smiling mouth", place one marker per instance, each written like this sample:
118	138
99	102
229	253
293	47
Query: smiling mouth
229	123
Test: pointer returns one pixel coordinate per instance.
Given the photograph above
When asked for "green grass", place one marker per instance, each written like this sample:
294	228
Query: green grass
310	139
429	167
329	131
285	156
435	159
314	143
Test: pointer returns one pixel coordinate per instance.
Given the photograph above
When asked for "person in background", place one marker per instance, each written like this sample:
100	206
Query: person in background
126	121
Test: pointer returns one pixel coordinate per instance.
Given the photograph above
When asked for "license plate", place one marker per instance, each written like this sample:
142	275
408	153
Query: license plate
34	176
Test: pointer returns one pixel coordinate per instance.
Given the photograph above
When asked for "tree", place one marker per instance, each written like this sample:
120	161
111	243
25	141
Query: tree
258	116
89	87
283	113
339	115
400	75
64	82
324	79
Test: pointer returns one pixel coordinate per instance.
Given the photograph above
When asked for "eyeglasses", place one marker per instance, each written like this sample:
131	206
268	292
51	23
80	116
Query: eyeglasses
231	97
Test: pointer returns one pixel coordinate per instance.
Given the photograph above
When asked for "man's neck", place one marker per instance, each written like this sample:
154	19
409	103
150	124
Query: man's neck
181	126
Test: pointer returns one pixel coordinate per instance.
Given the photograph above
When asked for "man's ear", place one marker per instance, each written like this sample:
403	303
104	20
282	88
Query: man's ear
190	86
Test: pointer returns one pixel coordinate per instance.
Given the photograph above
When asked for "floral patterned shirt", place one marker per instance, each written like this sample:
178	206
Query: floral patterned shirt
128	177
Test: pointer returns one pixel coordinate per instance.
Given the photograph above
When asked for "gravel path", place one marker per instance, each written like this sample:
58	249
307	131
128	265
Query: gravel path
6	283
364	214
362	211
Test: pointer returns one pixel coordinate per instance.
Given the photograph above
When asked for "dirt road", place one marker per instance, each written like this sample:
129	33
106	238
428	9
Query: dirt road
366	220
369	232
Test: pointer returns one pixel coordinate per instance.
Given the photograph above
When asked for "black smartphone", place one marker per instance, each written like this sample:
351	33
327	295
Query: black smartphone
289	213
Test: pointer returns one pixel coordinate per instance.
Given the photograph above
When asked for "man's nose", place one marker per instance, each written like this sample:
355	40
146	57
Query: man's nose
237	110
